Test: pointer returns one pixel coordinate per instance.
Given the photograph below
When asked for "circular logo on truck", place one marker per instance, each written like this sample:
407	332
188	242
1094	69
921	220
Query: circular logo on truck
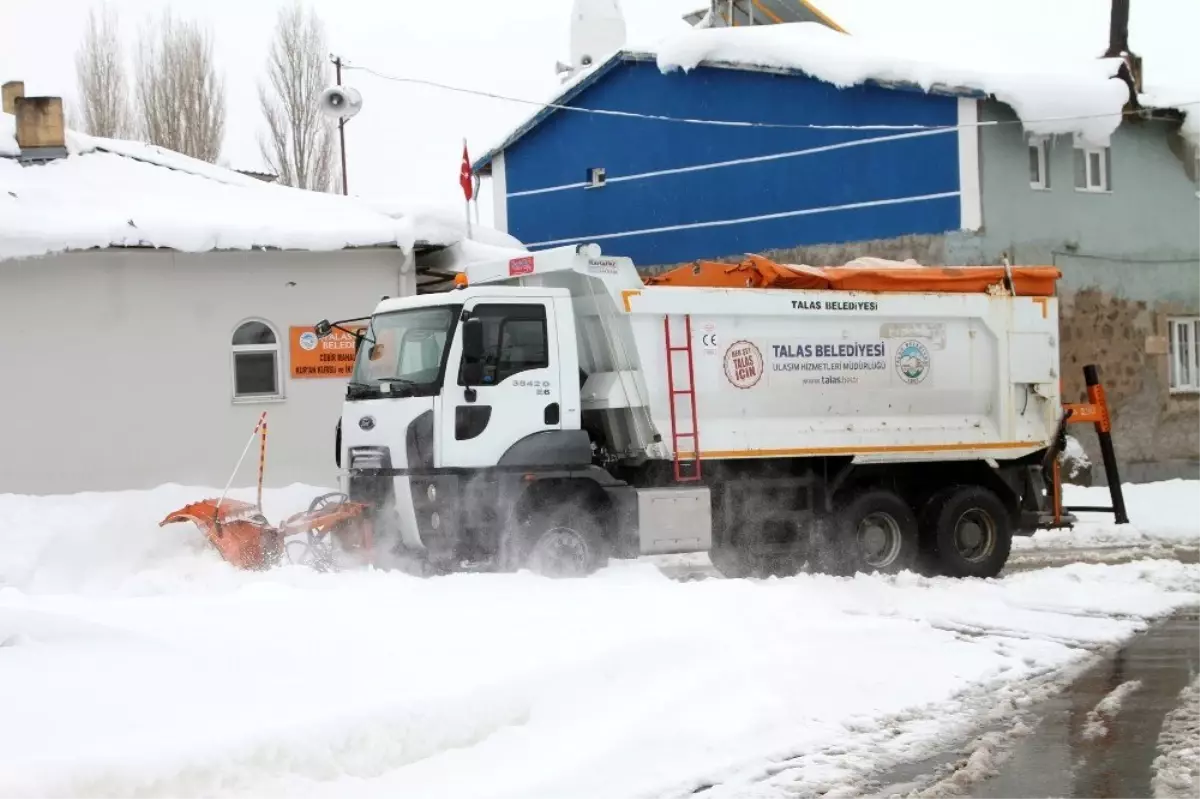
308	341
743	364
912	362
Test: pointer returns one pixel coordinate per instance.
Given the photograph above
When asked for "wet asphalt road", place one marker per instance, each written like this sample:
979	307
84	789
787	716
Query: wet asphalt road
1096	737
1072	750
1075	751
699	568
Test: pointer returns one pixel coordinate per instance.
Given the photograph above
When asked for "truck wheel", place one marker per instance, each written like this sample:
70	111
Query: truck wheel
877	533
927	559
973	533
561	543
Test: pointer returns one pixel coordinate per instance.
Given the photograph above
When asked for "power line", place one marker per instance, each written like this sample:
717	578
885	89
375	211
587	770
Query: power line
732	123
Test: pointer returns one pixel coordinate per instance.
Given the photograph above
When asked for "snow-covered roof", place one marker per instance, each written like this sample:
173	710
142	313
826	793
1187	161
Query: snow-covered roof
110	193
1162	32
1045	94
1050	94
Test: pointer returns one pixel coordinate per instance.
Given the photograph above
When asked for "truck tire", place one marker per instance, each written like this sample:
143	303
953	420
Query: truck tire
559	542
876	533
928	564
973	533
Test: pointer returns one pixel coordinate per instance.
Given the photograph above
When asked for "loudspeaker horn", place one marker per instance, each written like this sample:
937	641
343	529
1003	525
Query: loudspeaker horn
340	102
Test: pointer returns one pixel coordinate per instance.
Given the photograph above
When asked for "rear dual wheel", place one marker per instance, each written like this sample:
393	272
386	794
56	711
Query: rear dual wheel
962	531
966	531
873	532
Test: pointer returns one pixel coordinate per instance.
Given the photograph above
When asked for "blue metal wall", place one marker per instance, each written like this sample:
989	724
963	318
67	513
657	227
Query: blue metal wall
559	151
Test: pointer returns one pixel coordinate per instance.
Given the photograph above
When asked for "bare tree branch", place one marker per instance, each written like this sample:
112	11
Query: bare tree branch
298	143
104	108
180	96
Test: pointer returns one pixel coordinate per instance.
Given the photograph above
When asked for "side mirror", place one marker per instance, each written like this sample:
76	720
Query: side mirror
323	328
472	367
473	339
337	443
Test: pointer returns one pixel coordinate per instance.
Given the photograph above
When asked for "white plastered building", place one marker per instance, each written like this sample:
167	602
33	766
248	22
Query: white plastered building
154	307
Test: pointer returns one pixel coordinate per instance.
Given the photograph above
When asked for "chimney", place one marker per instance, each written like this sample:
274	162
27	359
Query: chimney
40	123
10	92
1118	29
1118	46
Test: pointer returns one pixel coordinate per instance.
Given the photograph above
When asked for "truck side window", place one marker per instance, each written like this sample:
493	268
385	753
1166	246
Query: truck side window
514	340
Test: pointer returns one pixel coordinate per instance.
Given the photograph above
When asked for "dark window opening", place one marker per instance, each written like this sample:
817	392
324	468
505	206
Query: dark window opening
514	341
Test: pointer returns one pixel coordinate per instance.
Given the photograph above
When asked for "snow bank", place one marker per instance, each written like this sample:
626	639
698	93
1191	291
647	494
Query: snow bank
122	193
625	684
1043	92
110	543
1165	513
368	683
1177	767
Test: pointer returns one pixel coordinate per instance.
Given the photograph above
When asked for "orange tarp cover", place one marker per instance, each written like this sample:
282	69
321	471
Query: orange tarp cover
759	272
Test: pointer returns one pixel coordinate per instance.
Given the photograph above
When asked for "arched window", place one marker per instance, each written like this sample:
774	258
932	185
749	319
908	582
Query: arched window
255	361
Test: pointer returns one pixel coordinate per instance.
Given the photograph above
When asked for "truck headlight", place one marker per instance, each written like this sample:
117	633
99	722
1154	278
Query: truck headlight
431	492
435	521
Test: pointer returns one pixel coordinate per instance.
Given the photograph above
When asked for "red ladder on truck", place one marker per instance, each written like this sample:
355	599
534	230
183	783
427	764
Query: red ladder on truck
686	469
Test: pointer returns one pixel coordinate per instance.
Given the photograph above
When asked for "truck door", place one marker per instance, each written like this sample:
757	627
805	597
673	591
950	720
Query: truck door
519	392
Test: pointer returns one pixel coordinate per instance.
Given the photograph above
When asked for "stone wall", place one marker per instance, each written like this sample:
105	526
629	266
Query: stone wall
1156	433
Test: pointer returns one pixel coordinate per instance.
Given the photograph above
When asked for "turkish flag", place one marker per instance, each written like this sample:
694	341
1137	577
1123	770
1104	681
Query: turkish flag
464	177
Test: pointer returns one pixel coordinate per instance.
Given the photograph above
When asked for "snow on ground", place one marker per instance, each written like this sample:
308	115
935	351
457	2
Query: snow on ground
133	662
110	543
1177	768
1099	717
1164	514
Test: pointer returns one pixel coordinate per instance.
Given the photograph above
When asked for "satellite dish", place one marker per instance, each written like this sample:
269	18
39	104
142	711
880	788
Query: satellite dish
597	31
340	102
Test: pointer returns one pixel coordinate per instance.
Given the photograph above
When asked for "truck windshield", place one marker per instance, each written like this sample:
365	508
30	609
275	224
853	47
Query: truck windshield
404	347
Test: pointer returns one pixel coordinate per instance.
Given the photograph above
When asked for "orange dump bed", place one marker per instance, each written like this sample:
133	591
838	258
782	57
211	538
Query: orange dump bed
758	272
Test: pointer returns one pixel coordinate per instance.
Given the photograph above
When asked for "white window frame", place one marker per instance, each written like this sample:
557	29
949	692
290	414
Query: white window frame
1175	326
1104	156
1042	145
235	349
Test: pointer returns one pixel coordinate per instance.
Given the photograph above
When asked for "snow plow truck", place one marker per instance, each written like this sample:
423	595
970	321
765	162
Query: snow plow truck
555	410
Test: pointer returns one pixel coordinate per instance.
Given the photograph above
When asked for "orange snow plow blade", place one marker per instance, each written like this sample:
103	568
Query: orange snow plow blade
247	540
238	530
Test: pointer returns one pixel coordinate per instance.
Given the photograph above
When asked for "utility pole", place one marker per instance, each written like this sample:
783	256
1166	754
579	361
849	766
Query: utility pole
337	63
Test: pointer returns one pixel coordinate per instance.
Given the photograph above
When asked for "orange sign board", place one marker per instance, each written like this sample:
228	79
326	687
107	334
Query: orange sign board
332	356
